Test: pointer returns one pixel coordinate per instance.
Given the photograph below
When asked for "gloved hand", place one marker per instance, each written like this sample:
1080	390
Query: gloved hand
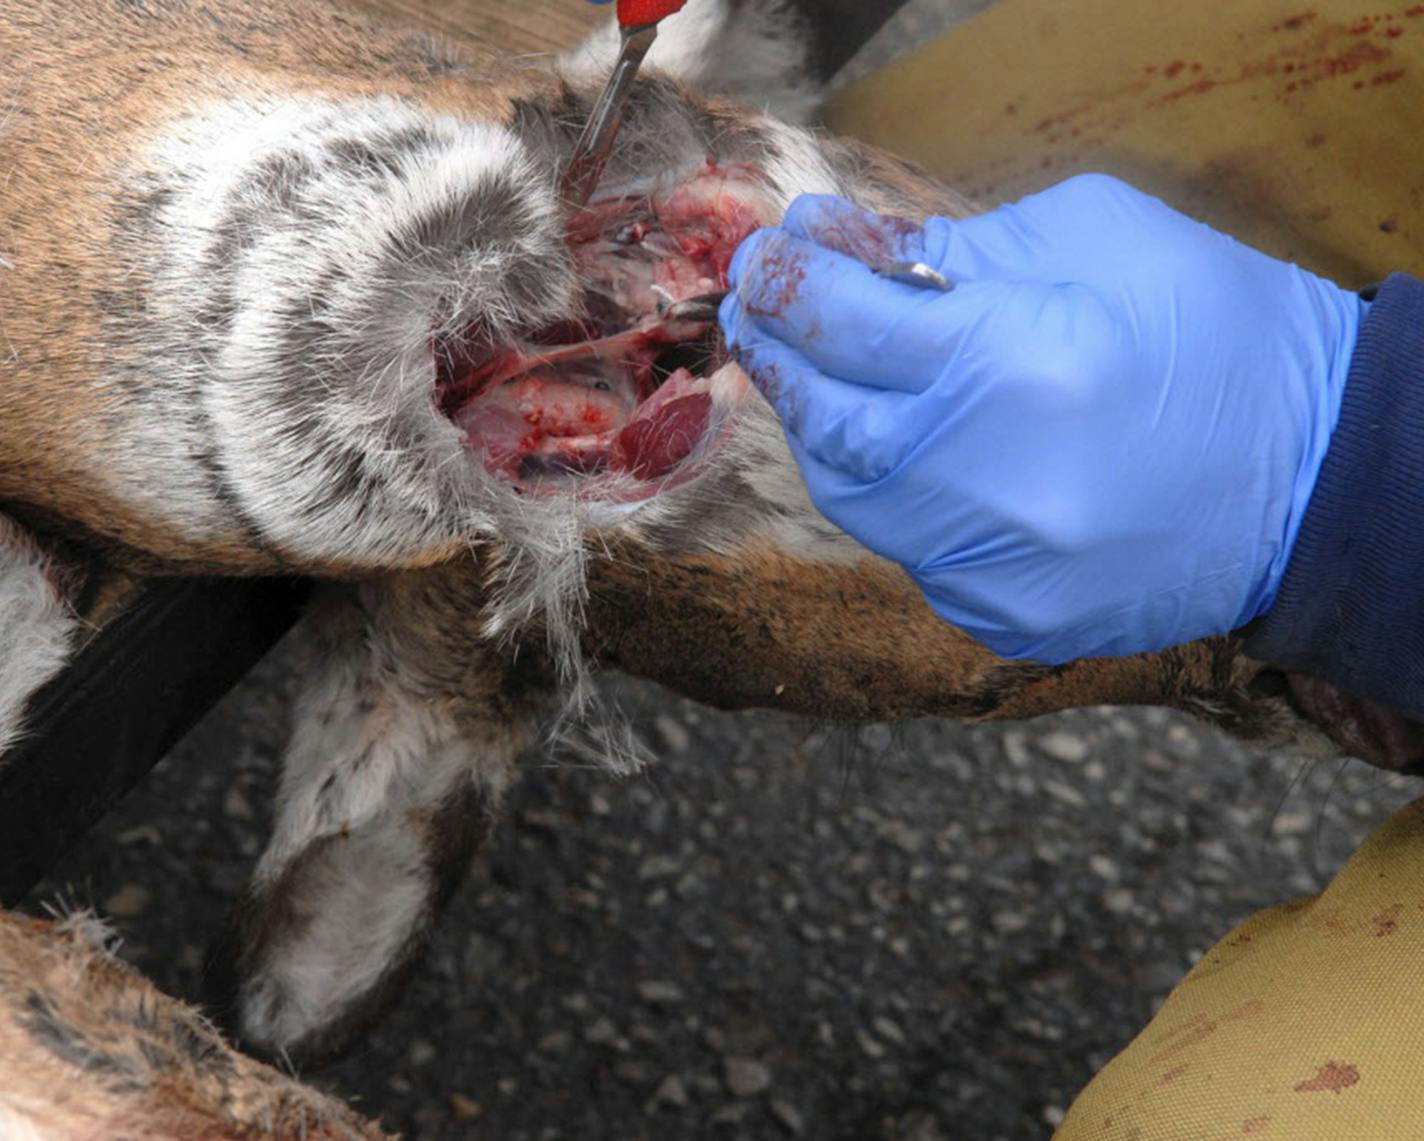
1101	442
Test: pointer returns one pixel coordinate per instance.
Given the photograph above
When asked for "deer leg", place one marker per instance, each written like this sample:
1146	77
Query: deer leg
36	625
407	729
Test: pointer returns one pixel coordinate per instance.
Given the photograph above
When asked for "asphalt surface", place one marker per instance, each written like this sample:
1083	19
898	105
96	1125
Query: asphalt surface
928	931
923	933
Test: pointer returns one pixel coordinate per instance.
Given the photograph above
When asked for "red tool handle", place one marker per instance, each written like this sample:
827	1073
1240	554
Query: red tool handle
636	13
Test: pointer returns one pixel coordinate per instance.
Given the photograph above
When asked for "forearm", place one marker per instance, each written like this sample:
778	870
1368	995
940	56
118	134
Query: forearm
1351	605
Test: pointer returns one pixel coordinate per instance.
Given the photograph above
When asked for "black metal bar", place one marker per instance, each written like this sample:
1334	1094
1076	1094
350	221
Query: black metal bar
116	710
840	28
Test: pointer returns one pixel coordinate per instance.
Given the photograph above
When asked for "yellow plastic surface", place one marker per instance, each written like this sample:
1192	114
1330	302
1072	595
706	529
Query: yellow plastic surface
1303	1024
1295	126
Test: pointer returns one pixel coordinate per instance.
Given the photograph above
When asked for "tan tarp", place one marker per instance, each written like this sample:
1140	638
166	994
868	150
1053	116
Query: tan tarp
1295	126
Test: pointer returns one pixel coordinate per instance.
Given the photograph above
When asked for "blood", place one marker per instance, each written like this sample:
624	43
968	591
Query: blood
582	396
538	414
1043	126
1333	1077
1200	87
783	269
872	239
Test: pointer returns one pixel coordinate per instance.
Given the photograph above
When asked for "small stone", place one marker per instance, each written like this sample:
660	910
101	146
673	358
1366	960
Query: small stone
918	1126
1186	742
1009	922
143	834
463	1108
656	867
601	1032
1119	902
660	993
1103	868
872	1047
235	804
909	840
789	1117
745	1077
556	1042
1016	749
729	1115
1065	794
421	1051
877	737
129	900
633	1072
673	735
1053	1115
671	1091
888	1030
1152	759
1064	746
1216	852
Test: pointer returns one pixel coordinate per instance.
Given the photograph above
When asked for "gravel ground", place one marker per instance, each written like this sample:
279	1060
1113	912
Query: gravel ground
783	930
931	931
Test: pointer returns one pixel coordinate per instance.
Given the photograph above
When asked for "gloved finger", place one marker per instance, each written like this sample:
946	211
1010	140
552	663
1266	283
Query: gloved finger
863	433
1004	244
1052	237
858	327
837	224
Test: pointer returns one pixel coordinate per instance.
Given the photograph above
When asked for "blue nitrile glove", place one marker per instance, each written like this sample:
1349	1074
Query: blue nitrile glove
1102	442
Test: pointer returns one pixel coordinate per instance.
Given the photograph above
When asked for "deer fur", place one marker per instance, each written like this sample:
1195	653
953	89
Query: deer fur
217	314
92	1052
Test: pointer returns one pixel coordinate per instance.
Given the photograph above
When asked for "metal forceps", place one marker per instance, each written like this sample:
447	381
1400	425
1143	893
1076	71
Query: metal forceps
704	306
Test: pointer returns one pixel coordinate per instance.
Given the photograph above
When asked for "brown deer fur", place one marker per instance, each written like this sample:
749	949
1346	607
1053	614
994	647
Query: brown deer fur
229	237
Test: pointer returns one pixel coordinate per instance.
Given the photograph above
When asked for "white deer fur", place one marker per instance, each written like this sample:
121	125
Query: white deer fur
300	250
37	627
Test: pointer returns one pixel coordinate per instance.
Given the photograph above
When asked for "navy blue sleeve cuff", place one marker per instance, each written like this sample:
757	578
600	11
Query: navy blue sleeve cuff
1351	605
